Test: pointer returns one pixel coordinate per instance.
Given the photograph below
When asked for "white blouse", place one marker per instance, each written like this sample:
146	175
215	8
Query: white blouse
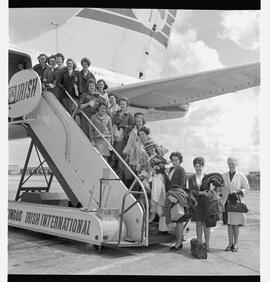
199	180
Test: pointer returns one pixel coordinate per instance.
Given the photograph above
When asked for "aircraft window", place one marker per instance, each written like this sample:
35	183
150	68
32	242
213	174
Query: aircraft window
17	61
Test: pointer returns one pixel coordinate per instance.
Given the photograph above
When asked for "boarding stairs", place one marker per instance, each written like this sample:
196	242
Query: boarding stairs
91	185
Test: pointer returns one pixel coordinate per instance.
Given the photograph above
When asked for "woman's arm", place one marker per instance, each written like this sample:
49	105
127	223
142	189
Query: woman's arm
110	129
244	185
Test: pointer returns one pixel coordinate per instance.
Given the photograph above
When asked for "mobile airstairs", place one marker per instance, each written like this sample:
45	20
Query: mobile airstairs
100	210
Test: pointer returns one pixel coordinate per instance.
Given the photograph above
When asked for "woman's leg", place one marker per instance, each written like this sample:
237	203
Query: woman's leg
199	230
179	234
235	234
230	234
206	231
153	211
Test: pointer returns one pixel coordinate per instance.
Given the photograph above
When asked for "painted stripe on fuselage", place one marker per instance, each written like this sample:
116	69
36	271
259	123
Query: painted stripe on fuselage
126	12
131	24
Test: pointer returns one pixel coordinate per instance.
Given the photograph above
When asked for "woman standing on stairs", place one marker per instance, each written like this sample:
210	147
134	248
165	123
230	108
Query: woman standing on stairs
103	123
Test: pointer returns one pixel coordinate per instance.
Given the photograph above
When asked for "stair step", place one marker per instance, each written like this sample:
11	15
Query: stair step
122	244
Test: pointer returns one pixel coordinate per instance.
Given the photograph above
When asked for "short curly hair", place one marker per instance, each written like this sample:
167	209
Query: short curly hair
198	160
43	55
124	99
178	155
105	83
86	60
90	81
145	129
140	115
60	55
101	104
51	57
73	62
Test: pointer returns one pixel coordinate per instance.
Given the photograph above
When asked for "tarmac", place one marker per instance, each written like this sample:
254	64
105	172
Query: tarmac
35	253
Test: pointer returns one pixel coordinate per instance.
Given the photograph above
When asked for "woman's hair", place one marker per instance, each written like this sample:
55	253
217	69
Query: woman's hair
115	96
145	129
85	60
74	64
101	104
105	84
198	160
43	55
60	55
90	81
124	99
178	155
140	115
51	57
234	159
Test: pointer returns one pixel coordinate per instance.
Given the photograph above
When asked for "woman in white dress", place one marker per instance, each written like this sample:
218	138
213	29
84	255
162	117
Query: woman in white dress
237	183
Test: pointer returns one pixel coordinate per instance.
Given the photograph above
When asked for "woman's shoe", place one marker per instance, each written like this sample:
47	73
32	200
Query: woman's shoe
229	248
174	248
234	248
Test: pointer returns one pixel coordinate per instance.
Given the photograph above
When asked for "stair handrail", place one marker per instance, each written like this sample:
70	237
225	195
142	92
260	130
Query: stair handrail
136	178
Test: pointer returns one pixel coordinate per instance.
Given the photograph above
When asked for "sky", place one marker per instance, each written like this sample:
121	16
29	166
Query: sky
215	128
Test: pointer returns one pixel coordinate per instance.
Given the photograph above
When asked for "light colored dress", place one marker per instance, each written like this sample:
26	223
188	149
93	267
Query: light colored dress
104	125
239	183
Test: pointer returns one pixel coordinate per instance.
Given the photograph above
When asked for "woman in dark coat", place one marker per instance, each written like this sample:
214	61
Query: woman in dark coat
175	186
194	184
203	189
85	74
70	80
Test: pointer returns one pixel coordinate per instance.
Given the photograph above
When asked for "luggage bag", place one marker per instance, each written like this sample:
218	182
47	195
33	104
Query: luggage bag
199	250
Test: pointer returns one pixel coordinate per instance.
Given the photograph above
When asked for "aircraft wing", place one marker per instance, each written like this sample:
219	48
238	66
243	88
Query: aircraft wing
181	90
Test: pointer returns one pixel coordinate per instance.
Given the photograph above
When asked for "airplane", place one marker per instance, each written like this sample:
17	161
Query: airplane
129	53
127	48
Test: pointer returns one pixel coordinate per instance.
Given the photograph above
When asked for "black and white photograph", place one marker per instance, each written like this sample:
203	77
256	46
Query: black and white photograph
133	141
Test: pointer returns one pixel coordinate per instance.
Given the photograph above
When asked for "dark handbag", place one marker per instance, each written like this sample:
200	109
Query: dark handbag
199	250
237	206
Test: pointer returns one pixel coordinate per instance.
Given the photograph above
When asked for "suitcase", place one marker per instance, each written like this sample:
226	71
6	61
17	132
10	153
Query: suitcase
199	250
177	212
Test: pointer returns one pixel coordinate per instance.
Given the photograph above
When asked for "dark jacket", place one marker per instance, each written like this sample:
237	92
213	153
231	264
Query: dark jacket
85	98
192	184
49	76
68	82
84	79
207	210
37	68
178	178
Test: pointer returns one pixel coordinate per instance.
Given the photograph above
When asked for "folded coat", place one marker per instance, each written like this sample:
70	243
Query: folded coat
208	206
184	198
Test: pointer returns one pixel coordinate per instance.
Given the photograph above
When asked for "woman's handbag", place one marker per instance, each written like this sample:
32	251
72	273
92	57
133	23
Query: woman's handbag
177	212
236	206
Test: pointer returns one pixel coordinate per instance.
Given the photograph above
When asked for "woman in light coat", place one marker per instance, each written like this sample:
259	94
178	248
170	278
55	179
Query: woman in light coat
235	182
131	150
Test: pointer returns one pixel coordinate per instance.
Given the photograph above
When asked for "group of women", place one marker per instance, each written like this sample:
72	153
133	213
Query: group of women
131	138
233	182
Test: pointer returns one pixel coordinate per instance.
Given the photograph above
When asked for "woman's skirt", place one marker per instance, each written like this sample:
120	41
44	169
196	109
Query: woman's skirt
236	218
158	192
196	214
102	146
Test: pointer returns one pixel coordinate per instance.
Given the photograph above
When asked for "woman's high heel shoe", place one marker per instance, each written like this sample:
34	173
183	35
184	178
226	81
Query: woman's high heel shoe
174	248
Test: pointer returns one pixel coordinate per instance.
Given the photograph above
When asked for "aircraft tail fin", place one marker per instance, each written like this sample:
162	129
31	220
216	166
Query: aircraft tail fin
127	41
